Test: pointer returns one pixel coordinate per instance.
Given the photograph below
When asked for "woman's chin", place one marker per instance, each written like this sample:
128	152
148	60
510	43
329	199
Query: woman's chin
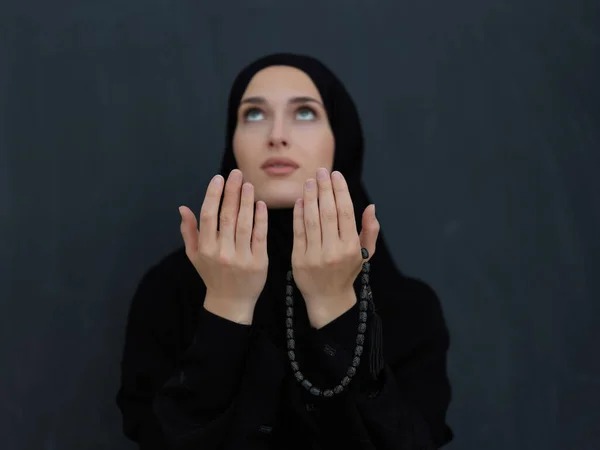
279	201
280	195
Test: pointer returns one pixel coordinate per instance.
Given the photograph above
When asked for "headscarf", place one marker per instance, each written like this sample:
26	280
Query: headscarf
348	159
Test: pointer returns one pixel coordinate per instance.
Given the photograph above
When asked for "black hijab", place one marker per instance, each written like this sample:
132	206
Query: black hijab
348	159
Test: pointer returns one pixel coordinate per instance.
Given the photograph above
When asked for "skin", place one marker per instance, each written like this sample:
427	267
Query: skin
281	113
326	257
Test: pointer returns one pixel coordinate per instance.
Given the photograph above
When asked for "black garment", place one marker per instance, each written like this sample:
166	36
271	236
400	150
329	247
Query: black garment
199	381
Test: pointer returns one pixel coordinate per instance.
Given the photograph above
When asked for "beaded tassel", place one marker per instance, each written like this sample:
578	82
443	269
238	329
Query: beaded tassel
365	307
376	341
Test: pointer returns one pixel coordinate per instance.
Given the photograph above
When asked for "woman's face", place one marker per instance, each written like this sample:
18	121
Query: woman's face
281	115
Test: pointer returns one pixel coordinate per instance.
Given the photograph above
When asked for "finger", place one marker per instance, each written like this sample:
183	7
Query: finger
312	223
230	209
261	225
345	207
299	229
243	232
327	210
189	230
370	230
210	211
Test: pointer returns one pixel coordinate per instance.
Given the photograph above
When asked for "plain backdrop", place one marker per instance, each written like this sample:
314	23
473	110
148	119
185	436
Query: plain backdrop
483	151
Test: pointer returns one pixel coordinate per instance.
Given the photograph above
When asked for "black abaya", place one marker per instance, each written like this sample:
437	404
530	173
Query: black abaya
193	380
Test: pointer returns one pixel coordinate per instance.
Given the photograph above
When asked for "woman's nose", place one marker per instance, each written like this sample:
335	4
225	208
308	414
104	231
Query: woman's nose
278	136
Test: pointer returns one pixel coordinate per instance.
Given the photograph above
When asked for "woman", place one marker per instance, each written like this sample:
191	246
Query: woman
262	334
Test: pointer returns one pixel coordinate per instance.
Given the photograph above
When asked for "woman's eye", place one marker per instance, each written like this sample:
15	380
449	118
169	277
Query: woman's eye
305	114
253	114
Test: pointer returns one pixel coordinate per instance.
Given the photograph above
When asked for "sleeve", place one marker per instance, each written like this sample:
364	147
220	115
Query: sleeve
406	407
196	404
150	359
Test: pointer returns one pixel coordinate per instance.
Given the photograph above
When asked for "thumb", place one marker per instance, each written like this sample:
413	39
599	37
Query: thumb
370	230
189	230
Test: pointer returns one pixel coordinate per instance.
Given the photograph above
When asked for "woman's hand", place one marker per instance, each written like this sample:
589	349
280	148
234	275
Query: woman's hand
232	261
326	257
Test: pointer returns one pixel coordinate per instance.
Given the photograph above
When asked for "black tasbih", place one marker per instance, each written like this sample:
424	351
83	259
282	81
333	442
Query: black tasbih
365	305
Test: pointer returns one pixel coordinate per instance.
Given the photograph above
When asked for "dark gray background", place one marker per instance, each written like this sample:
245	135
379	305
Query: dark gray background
483	151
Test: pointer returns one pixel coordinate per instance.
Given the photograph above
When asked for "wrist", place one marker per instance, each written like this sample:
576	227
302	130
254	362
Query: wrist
323	310
238	311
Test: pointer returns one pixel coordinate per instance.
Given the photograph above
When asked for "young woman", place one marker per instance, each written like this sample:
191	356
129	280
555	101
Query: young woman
280	325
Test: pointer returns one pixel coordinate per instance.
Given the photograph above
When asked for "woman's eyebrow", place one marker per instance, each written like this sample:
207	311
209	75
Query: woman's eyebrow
304	99
261	100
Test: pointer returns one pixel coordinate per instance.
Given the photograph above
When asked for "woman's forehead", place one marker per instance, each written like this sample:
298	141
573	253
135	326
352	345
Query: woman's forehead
281	83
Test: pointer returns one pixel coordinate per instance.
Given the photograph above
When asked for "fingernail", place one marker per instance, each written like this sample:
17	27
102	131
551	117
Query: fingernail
322	174
217	180
310	184
373	208
337	175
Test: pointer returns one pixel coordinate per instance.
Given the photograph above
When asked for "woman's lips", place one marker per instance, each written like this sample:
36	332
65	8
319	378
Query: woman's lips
279	170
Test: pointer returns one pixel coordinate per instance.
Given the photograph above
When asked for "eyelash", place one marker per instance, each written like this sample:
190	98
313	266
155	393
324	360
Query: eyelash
300	108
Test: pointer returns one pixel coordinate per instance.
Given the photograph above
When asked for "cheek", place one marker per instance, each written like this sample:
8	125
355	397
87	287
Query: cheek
322	149
317	149
247	156
237	151
242	148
